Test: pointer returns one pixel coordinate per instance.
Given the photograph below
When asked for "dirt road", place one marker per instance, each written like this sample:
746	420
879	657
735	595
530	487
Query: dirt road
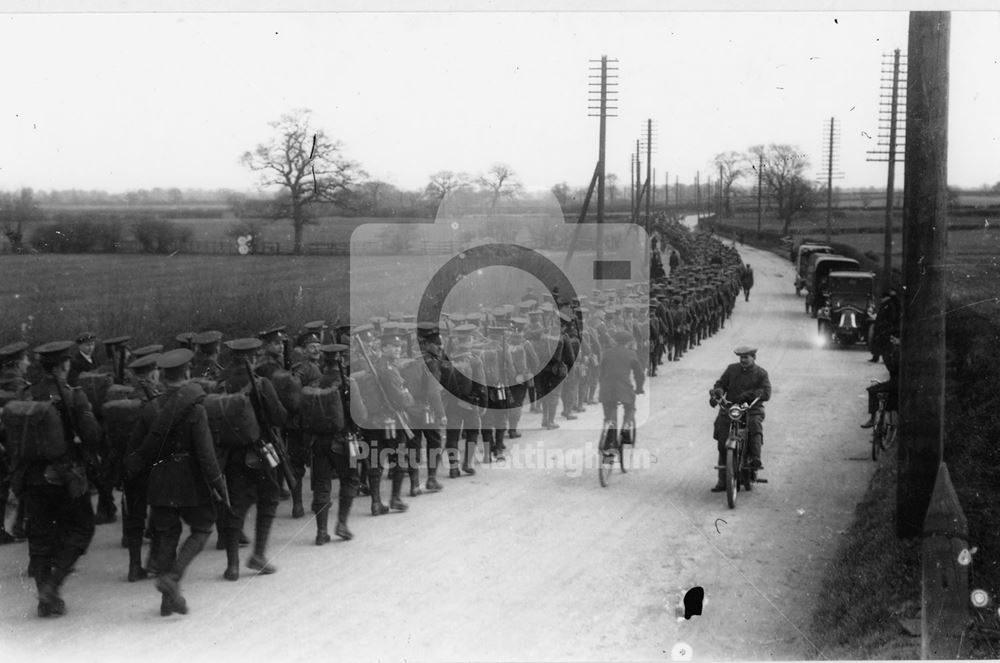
535	562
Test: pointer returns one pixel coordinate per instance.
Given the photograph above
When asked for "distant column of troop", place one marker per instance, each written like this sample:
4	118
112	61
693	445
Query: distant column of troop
198	433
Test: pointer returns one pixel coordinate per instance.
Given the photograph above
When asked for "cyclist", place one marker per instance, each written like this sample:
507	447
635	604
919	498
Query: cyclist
617	362
891	386
741	382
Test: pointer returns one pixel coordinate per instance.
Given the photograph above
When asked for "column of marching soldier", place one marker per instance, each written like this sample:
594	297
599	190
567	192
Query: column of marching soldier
186	438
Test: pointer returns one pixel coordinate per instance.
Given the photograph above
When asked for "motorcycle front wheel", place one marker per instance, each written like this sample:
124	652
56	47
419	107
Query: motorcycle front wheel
732	484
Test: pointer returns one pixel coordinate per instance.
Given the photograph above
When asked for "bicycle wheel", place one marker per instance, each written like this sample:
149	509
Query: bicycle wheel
878	435
606	455
732	488
890	436
626	442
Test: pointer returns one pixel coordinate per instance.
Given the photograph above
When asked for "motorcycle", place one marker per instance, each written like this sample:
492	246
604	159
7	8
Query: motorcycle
739	474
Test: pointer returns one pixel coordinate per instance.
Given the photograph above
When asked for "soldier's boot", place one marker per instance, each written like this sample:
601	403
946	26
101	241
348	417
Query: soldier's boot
498	447
343	511
363	472
173	600
220	530
231	538
375	486
469	458
297	509
414	474
154	551
433	460
48	589
322	518
46	602
488	446
135	570
258	561
106	509
395	503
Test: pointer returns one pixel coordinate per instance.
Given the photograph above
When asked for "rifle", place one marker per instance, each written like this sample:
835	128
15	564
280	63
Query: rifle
286	353
269	448
504	385
66	414
400	416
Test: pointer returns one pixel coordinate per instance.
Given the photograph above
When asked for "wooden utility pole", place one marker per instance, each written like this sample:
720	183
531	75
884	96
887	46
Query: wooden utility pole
890	144
666	190
603	112
925	238
649	161
718	215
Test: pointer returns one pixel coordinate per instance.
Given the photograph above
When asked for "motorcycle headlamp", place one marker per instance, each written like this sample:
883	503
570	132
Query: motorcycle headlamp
735	412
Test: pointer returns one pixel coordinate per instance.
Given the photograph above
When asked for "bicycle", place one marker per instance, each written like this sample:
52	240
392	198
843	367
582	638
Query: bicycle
739	474
884	430
611	445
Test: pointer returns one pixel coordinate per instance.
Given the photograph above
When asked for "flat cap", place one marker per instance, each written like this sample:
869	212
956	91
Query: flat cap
746	350
174	358
241	345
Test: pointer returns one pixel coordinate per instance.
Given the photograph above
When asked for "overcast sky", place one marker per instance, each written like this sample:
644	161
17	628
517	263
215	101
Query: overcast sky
126	101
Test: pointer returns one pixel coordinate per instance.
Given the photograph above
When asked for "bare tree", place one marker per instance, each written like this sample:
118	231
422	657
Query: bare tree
16	211
308	167
784	166
444	182
500	181
611	182
562	192
732	166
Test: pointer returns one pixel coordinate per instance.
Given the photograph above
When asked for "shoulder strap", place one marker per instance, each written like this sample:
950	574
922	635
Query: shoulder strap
174	410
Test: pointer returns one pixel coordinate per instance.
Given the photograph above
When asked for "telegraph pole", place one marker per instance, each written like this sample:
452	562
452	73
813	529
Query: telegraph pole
697	186
889	137
925	235
830	144
605	96
649	160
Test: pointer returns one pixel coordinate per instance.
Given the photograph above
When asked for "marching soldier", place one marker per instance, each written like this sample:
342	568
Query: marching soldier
390	438
14	365
250	479
55	490
428	410
466	395
145	380
524	363
206	359
83	358
173	441
333	453
308	372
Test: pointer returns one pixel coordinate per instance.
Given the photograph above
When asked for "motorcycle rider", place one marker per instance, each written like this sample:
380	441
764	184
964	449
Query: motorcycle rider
741	382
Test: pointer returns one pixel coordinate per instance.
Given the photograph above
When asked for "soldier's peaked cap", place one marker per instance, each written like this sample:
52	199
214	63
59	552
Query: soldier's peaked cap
174	358
272	333
306	338
145	350
13	350
241	345
517	320
393	338
315	324
83	337
206	337
185	337
54	350
117	340
465	330
333	348
145	362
